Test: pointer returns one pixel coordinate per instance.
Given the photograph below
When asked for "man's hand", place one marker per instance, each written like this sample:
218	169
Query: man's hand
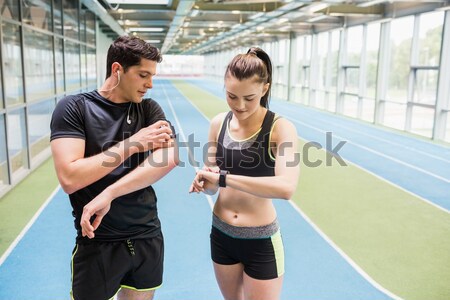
157	135
99	206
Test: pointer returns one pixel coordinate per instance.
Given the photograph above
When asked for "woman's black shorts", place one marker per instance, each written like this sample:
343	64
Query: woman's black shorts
263	258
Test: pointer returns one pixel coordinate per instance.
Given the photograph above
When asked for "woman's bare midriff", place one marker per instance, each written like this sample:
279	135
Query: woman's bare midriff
243	209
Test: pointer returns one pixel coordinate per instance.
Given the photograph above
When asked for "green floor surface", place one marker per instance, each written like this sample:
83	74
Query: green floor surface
20	204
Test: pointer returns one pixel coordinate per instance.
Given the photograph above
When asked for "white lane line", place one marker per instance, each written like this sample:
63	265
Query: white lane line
343	254
352	263
375	152
382	140
191	155
27	227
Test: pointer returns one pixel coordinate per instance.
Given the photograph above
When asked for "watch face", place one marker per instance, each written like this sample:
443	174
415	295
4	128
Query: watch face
222	178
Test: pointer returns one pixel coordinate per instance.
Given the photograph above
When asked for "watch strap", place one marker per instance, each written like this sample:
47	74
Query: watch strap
223	178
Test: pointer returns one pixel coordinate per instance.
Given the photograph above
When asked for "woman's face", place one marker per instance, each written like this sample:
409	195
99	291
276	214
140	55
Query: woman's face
243	96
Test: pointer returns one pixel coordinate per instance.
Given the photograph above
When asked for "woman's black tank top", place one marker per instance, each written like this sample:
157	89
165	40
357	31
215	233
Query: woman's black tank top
252	161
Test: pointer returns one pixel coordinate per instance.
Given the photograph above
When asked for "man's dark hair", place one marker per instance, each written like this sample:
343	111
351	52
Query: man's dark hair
128	51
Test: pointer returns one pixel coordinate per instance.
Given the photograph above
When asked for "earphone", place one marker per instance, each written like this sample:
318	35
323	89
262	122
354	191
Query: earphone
118	81
128	115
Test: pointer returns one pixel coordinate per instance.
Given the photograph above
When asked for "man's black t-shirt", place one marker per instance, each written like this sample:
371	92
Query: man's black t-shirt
102	124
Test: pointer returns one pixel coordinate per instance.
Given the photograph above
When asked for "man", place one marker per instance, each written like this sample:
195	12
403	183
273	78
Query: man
109	146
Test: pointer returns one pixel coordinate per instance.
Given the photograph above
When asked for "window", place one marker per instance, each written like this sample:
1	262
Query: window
17	140
3	157
430	36
72	66
59	61
10	9
39	115
401	39
38	14
372	46
354	45
38	59
71	28
12	62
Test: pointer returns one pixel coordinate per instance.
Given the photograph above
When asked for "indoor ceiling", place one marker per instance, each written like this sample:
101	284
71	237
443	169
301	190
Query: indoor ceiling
202	26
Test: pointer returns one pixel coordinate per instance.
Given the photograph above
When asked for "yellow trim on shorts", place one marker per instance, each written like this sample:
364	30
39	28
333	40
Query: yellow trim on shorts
140	290
278	249
71	266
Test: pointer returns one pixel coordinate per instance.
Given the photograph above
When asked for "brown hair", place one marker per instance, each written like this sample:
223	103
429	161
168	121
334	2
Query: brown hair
128	51
254	62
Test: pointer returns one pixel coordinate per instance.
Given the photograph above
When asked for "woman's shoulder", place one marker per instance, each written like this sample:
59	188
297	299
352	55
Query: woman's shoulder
218	119
282	126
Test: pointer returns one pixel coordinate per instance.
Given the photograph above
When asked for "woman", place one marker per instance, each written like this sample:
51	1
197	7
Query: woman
251	157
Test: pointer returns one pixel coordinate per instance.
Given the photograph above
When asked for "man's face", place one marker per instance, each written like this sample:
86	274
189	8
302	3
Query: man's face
135	82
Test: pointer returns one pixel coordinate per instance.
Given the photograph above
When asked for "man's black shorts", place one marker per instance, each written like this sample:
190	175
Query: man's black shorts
100	269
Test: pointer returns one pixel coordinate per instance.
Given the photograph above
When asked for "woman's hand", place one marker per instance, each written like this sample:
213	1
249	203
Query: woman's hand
206	181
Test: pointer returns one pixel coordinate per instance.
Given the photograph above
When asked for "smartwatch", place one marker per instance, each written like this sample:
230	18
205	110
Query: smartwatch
222	178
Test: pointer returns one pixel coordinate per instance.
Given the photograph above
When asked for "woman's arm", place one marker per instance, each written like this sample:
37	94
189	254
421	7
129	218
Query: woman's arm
287	170
210	159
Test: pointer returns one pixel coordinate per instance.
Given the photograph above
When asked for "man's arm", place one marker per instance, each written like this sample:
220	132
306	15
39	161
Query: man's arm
76	172
156	166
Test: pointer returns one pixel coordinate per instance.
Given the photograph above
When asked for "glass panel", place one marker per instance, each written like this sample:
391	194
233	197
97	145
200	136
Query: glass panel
38	58
425	86
332	102
91	69
300	49
401	38
368	109
430	36
82	25
373	43
304	48
297	94
282	51
351	106
90	28
322	47
70	9
334	57
72	63
10	9
59	65
58	16
320	99
447	129
3	159
304	78
83	66
422	121
12	62
1	92
38	13
352	80
17	140
394	115
39	116
305	96
354	45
